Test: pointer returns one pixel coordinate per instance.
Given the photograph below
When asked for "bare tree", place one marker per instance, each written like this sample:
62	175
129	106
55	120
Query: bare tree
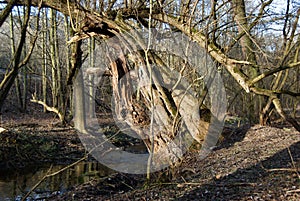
16	63
17	81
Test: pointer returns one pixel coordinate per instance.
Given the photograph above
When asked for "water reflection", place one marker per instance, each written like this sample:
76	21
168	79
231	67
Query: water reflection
15	184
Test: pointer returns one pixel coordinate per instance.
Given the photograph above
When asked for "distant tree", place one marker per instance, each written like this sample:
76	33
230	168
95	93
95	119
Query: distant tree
55	62
44	59
16	62
13	50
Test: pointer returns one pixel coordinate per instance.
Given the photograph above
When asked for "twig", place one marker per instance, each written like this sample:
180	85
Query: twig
294	169
36	185
127	185
48	108
293	163
294	191
184	183
235	184
214	184
282	169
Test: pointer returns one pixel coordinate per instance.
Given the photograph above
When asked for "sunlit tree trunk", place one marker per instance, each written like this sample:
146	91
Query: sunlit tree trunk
79	95
60	91
91	81
53	56
25	81
68	89
44	58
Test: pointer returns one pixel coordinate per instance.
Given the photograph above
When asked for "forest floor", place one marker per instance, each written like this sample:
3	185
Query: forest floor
251	163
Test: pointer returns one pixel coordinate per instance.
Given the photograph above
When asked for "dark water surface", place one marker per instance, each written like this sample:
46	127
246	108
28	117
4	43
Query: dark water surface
15	184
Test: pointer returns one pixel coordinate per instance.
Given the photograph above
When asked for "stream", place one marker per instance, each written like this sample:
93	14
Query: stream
14	185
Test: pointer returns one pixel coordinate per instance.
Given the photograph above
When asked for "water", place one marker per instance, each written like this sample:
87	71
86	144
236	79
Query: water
14	185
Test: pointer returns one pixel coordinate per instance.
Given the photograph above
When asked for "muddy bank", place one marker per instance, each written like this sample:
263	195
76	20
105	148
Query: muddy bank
32	144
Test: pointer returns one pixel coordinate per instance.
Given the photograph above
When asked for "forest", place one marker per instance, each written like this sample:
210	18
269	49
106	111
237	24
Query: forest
149	100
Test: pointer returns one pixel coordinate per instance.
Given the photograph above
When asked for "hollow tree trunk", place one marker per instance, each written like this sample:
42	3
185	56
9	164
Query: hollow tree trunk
165	120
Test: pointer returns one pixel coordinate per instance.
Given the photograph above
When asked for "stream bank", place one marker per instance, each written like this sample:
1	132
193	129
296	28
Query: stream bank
251	163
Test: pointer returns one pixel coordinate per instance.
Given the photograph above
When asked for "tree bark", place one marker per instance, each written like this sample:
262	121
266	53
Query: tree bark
164	119
79	94
248	49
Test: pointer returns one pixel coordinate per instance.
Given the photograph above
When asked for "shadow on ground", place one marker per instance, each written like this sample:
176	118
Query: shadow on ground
276	175
231	136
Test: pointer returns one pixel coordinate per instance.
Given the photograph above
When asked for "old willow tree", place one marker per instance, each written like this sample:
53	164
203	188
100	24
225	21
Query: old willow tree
235	35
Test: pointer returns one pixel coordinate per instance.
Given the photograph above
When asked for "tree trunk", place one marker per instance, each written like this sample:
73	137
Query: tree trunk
248	49
68	89
17	81
53	57
91	80
25	82
79	95
165	119
44	57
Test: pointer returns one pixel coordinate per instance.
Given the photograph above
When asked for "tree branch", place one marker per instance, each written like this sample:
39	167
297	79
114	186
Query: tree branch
48	108
5	13
271	72
230	64
252	25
